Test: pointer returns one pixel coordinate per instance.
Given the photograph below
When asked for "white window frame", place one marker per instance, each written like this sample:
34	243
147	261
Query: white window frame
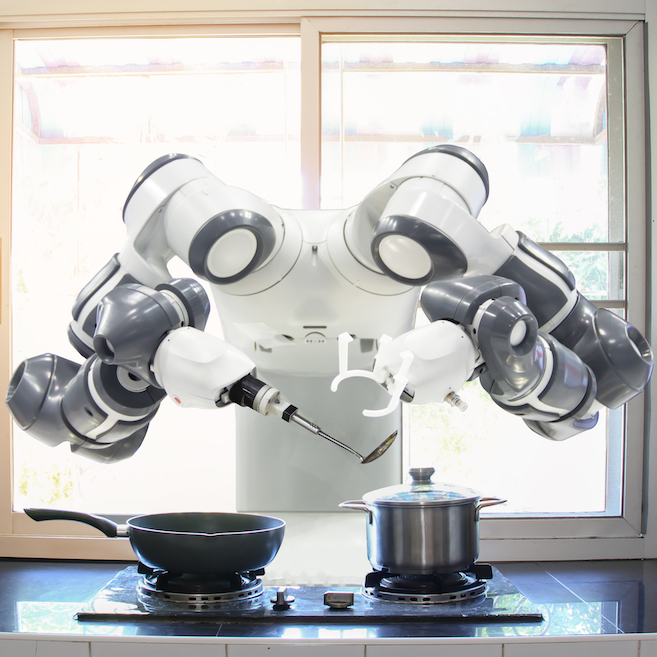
631	535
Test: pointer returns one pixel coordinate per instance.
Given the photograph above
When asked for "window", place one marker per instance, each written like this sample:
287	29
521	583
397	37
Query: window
536	113
90	113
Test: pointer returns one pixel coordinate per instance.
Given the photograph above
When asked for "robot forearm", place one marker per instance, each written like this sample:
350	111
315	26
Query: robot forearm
613	349
103	407
556	385
476	322
99	409
527	372
531	375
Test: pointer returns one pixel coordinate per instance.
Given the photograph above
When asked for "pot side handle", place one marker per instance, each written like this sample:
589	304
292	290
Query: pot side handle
487	501
357	505
108	527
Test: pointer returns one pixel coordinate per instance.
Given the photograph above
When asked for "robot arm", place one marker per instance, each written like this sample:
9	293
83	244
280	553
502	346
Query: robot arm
178	208
547	353
148	343
420	224
480	326
527	372
103	407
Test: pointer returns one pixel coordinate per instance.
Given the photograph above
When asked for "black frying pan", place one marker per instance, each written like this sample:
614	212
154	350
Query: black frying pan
195	543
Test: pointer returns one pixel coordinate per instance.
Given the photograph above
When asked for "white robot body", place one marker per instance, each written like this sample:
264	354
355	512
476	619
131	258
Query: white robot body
294	324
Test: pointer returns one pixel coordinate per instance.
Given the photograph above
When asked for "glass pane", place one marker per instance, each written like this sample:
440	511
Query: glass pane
496	454
600	275
90	115
536	115
232	102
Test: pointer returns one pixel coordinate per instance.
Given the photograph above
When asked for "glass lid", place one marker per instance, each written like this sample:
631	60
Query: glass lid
421	491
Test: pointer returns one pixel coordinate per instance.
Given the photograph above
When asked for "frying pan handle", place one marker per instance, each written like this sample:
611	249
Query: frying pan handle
108	527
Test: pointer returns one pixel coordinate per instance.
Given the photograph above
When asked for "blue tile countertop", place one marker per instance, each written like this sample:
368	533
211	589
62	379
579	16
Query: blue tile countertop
575	598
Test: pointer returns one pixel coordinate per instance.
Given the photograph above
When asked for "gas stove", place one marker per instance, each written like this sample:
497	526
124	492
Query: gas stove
482	594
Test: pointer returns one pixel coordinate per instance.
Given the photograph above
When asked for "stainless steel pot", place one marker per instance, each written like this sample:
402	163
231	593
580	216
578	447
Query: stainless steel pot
422	528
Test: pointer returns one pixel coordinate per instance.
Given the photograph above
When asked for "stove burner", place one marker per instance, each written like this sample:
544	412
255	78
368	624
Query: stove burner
161	590
120	602
423	589
427	583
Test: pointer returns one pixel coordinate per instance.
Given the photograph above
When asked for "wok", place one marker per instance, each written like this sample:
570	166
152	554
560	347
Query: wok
192	542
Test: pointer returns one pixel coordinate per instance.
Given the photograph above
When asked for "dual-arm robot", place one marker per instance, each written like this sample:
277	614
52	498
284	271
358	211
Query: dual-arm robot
294	288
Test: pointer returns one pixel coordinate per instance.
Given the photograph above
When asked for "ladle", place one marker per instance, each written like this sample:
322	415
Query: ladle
372	456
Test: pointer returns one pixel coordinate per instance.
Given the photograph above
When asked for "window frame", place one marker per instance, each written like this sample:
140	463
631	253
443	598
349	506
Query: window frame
630	535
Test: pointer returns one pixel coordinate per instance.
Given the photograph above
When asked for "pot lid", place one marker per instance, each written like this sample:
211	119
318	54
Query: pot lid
421	491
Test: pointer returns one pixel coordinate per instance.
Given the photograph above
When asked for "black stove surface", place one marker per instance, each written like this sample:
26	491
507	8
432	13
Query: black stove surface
120	601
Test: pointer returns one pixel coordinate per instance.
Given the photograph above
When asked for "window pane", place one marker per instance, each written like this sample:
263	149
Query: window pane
90	115
494	452
487	449
536	115
600	275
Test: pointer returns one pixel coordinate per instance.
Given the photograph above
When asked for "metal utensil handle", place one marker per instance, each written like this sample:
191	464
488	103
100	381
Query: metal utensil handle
357	505
313	428
487	501
108	527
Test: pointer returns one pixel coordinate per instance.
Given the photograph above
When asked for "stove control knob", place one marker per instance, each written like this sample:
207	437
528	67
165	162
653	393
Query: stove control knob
339	599
282	601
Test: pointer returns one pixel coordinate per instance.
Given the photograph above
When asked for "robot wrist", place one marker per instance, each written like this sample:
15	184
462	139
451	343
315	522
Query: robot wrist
55	400
153	313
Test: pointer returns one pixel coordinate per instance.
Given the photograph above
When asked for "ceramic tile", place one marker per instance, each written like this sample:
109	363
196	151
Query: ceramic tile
568	572
487	650
536	583
574	649
626	590
109	649
648	648
294	651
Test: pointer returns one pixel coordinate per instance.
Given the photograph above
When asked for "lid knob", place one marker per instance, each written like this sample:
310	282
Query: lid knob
421	475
